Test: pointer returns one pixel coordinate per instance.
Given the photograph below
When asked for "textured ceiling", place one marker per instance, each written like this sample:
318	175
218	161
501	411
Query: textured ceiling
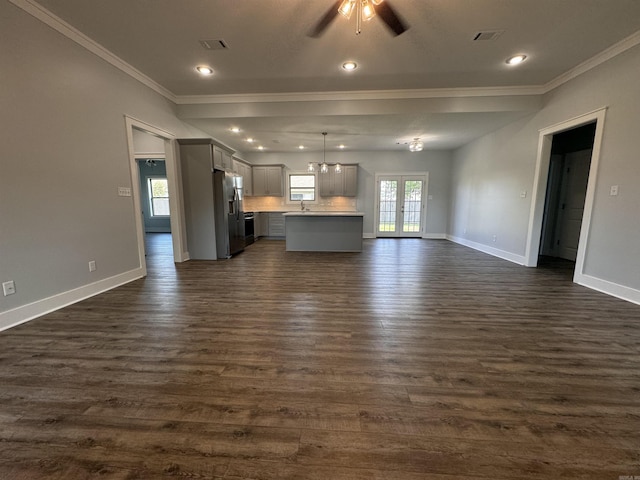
270	53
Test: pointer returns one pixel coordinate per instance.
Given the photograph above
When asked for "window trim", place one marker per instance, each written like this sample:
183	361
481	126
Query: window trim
315	187
150	196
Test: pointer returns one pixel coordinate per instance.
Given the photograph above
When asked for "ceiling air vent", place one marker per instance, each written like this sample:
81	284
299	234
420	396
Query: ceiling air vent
217	44
487	35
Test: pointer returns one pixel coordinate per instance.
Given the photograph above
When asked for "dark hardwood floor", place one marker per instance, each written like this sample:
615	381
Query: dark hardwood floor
415	359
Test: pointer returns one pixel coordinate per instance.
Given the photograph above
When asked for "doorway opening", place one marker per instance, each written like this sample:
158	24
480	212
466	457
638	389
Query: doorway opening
554	188
149	143
156	211
566	192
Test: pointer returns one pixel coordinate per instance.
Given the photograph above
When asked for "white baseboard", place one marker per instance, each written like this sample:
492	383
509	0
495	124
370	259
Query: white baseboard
431	236
24	313
496	252
604	286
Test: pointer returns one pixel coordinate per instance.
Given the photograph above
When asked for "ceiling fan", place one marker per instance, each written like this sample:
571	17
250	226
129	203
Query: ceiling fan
365	10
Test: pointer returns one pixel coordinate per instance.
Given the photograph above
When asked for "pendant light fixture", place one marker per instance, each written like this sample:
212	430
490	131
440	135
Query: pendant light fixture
324	166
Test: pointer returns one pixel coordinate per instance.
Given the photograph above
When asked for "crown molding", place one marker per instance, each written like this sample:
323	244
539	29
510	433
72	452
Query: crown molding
598	59
360	95
55	22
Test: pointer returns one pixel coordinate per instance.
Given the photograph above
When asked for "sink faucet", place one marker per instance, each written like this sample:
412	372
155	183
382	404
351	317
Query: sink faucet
302	205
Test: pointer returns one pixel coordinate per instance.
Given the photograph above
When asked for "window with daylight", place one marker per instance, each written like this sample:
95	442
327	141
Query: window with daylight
158	197
302	187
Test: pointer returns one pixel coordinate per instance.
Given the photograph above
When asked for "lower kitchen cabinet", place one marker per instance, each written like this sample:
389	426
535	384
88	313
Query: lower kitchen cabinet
276	224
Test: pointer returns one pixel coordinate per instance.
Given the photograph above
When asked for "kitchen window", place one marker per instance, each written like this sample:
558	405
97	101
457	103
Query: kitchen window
302	187
158	196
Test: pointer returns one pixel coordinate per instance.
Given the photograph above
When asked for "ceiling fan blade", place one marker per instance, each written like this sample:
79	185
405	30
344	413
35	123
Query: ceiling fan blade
324	22
391	19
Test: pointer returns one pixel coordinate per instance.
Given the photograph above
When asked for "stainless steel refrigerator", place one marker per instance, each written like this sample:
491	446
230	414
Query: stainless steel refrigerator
228	213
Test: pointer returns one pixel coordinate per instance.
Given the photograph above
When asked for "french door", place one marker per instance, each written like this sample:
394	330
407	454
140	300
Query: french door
400	205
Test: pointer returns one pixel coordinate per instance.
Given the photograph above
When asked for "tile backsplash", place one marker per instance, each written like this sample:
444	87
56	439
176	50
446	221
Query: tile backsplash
279	204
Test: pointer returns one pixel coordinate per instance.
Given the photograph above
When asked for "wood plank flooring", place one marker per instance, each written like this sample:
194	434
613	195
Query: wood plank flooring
415	359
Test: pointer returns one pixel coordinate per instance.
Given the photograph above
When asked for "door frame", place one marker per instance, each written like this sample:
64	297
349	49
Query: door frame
541	178
425	198
178	232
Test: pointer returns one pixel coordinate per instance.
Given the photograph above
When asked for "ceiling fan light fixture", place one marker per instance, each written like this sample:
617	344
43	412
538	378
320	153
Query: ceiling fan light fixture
416	145
368	12
347	7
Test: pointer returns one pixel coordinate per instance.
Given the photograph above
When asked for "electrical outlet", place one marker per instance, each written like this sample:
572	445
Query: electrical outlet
8	288
495	238
92	266
523	194
613	191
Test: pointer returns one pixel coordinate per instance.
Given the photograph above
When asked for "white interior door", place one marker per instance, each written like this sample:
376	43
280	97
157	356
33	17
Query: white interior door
400	205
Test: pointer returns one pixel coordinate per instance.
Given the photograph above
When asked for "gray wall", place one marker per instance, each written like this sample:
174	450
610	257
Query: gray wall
489	173
436	163
64	155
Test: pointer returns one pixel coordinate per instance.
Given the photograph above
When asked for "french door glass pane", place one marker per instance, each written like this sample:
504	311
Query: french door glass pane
387	207
412	204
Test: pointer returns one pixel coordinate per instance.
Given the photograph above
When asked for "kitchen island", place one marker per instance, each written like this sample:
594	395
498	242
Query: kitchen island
323	231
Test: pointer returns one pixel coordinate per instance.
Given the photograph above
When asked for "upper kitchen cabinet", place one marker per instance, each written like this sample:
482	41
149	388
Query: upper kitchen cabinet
268	180
244	170
343	184
222	159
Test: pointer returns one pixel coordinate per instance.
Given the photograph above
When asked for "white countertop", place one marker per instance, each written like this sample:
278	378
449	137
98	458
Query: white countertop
323	214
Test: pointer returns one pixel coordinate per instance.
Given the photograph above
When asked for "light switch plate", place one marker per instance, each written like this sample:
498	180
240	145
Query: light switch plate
124	191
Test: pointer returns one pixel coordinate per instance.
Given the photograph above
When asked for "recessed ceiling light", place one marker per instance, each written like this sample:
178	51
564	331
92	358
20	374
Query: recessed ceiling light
349	66
341	147
235	129
301	147
516	59
250	140
204	70
260	147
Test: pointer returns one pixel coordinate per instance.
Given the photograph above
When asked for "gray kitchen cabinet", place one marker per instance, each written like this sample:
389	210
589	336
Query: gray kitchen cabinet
350	178
330	183
343	184
227	161
244	170
218	161
268	180
276	224
261	224
222	159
